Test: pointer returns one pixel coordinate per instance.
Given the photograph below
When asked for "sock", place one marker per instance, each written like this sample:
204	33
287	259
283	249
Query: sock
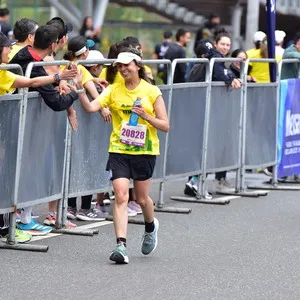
149	227
121	240
194	180
26	215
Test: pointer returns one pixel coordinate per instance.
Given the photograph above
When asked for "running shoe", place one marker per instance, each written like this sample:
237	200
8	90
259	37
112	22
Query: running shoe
50	220
188	190
90	215
106	200
35	215
133	205
130	212
149	239
71	213
119	254
224	186
102	210
70	225
21	237
34	228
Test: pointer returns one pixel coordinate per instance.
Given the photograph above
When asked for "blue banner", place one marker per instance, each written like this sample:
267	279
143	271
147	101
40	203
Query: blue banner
289	128
271	25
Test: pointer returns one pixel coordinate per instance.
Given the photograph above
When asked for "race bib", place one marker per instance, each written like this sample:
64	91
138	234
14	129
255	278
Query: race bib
133	135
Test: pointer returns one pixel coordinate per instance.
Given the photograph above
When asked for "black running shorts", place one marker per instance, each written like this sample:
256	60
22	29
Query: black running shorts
137	167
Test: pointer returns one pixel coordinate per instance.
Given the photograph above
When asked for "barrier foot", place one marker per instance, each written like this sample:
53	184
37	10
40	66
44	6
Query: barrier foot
289	181
246	193
174	210
273	186
25	247
130	220
74	232
201	200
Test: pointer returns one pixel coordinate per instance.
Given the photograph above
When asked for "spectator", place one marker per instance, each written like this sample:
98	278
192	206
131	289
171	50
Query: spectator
176	50
260	70
220	73
208	30
87	30
291	70
46	39
279	39
8	83
257	39
235	67
161	49
78	49
4	20
198	71
63	30
24	31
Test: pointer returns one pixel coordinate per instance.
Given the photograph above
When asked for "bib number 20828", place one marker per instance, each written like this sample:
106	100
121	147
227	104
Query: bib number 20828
133	135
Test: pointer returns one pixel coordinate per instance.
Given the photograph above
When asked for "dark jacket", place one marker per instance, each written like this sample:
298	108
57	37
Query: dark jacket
176	51
48	92
220	72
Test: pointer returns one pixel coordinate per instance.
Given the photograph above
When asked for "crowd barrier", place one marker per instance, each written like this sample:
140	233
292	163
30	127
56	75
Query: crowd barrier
213	128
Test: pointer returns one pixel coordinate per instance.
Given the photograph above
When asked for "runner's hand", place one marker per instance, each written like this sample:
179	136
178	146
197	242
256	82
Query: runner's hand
106	114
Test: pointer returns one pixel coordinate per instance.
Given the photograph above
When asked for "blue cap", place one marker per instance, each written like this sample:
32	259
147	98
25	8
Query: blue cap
90	43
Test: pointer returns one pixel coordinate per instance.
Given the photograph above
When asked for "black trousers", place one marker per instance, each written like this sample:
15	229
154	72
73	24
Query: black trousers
85	202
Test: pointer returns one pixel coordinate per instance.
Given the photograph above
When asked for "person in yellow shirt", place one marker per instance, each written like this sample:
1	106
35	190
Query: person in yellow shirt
78	49
24	31
258	70
133	149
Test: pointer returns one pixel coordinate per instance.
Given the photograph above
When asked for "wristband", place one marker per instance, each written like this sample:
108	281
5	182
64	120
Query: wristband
57	78
80	91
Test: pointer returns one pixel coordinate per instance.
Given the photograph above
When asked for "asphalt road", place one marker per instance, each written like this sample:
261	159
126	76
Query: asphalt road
248	249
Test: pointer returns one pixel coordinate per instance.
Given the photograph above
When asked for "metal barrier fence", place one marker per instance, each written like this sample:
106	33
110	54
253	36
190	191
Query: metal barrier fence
213	128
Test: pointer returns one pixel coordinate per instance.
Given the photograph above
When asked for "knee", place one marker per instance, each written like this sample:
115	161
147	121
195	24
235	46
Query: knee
121	197
143	201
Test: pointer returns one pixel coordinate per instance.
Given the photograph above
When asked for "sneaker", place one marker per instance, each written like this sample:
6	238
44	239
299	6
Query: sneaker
267	172
50	220
34	228
90	215
102	209
71	213
21	237
133	205
35	215
208	196
149	239
223	186
70	225
106	200
119	254
130	212
189	191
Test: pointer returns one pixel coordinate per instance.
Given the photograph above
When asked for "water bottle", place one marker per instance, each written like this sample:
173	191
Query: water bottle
134	118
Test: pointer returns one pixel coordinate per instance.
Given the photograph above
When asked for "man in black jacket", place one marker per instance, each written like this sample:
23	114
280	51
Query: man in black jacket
46	38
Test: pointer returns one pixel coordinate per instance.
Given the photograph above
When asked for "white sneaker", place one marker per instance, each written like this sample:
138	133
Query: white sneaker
223	186
130	212
208	196
267	172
